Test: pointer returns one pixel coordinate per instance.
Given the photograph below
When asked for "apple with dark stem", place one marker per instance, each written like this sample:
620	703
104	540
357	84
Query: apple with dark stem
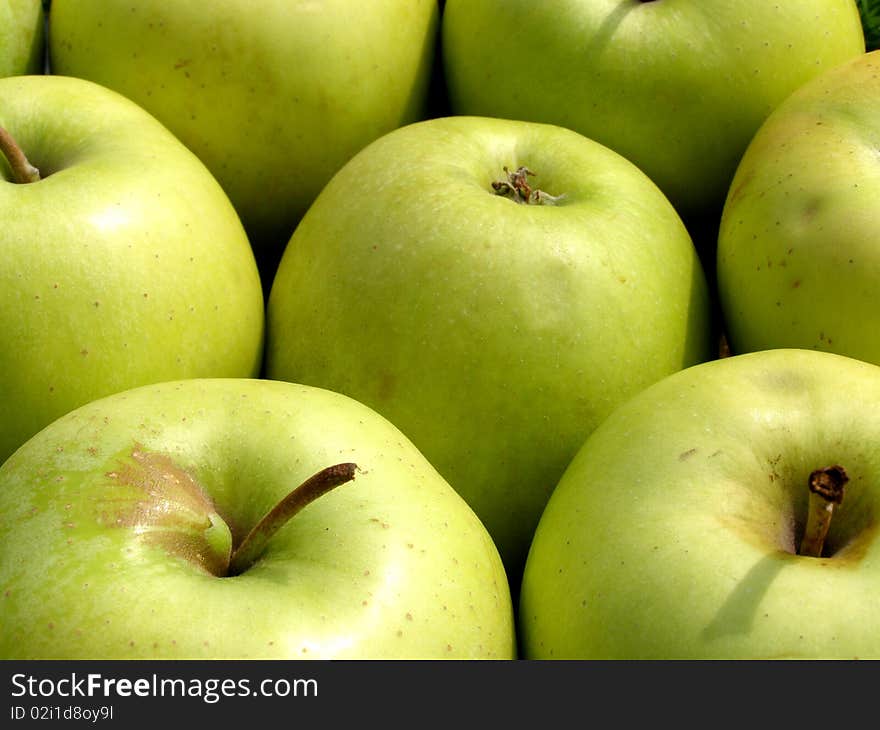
727	512
123	261
163	522
494	288
676	86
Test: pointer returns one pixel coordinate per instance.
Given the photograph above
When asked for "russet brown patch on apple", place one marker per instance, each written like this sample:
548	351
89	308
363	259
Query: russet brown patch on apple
162	504
160	481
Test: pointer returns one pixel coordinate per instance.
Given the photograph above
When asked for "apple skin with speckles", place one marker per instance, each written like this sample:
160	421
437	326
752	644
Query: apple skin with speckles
798	263
495	334
677	86
109	519
124	264
677	530
274	100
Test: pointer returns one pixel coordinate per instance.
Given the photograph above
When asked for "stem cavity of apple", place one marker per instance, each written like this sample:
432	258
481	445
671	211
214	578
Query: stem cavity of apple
826	492
166	506
315	486
22	170
517	188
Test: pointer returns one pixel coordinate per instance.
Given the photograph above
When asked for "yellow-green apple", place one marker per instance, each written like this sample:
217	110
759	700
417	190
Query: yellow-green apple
22	37
274	99
677	86
123	260
240	519
798	262
726	512
494	288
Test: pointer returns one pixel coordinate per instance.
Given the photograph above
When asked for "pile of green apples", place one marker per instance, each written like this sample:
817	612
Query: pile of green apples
417	329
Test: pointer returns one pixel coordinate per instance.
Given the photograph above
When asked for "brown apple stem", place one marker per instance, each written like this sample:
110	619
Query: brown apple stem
826	492
516	187
315	486
22	170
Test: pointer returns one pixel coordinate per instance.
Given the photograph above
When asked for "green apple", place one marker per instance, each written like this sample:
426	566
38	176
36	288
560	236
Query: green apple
22	37
127	531
686	527
274	99
495	317
678	87
798	262
123	263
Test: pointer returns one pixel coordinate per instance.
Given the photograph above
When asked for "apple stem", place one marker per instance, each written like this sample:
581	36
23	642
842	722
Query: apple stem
517	188
826	492
315	486
22	170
